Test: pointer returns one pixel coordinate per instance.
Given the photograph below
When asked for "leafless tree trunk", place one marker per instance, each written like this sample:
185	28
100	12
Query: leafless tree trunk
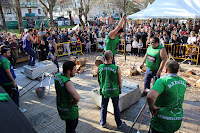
46	14
51	16
49	9
3	17
19	16
80	14
87	8
80	17
70	16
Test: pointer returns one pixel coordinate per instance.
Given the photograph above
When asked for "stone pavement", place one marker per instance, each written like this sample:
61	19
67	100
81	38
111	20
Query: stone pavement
43	116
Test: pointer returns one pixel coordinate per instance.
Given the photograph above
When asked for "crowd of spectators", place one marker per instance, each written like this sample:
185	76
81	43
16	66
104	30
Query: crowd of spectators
93	37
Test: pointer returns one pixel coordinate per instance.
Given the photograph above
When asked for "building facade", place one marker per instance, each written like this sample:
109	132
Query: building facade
31	13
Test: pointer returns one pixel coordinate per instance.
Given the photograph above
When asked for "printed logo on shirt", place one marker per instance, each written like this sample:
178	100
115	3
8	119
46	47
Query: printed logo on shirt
151	58
155	52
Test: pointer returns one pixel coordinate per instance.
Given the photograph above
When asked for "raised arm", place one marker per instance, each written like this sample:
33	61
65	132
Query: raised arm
119	26
31	38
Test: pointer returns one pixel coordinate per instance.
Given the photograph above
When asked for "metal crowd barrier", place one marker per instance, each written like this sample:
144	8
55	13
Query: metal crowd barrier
121	46
183	52
73	48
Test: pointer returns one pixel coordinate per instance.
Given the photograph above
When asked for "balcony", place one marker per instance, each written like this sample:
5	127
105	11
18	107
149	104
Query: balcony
29	14
28	4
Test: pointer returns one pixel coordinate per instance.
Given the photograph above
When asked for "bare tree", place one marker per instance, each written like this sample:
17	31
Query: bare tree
19	16
146	2
48	6
70	17
46	14
131	6
83	10
2	4
108	5
67	5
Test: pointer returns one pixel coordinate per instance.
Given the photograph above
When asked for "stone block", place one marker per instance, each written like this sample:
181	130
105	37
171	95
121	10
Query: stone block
39	68
131	93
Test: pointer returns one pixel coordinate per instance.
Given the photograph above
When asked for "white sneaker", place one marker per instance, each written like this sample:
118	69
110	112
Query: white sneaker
103	126
22	110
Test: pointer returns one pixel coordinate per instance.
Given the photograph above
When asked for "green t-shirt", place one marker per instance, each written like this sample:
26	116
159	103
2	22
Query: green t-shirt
153	59
111	44
5	64
66	111
171	89
108	80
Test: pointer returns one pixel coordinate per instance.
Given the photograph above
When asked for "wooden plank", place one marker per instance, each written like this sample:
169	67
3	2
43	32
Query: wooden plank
22	59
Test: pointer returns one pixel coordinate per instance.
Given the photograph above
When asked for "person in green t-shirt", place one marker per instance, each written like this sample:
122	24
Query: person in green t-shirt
7	78
109	78
67	96
155	59
165	100
113	38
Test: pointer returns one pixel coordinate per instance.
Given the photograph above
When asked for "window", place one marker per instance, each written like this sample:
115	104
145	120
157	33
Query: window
39	11
8	10
29	10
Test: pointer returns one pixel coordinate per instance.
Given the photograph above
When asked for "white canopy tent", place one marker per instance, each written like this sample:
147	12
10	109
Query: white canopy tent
170	9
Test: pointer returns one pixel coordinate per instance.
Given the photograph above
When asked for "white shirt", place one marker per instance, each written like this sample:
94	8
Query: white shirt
191	40
135	44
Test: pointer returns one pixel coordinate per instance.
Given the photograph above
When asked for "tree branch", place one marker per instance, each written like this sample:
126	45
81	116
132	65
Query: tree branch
44	5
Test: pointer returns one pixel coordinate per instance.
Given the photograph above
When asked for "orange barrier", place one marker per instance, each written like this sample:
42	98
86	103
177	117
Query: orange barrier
73	48
183	52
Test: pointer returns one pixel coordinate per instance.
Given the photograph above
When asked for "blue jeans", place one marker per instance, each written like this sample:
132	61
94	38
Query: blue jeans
113	61
148	75
56	62
32	55
71	125
104	105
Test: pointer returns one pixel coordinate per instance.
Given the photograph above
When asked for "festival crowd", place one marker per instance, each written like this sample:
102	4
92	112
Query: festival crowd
165	98
94	37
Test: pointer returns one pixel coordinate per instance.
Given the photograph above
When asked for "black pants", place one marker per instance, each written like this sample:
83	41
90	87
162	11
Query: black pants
13	93
71	125
43	55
